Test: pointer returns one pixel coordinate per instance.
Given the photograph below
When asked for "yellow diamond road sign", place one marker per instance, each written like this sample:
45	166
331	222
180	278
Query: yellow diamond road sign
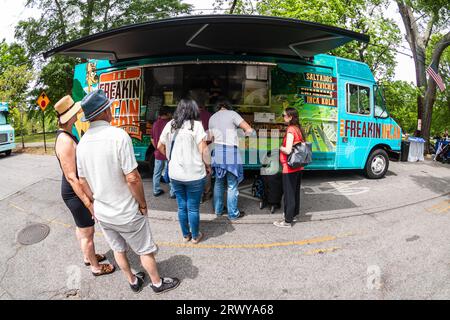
43	101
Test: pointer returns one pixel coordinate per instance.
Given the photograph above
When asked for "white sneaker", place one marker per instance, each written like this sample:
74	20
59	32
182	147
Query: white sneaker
282	224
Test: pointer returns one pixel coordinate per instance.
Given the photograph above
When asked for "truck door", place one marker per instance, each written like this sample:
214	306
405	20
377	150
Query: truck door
357	128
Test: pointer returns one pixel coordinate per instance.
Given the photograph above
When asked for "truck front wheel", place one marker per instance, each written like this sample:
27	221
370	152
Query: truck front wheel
8	152
377	164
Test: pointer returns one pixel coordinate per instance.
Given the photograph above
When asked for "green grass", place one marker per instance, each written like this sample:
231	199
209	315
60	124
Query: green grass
39	137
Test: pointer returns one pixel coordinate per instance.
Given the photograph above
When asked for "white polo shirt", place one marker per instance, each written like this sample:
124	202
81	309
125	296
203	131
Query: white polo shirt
104	156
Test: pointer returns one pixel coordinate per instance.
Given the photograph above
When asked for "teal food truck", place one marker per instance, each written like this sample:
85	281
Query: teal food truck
6	131
262	64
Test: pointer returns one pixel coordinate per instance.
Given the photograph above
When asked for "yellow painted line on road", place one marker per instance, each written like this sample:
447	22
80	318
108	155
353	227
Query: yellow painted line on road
18	208
441	207
54	221
227	246
69	226
321	251
249	246
444	209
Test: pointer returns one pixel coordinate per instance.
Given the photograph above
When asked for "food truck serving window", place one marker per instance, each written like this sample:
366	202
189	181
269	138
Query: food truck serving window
243	85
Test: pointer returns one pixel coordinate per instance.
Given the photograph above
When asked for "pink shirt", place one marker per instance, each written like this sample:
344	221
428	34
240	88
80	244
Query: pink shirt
157	129
204	118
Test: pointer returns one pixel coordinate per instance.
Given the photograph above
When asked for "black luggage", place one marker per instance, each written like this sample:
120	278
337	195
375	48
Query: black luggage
273	187
272	181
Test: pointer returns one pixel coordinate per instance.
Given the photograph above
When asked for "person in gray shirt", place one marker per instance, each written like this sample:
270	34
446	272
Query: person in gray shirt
226	161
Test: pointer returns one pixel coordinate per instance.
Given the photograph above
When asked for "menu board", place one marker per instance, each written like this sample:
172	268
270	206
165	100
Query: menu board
319	89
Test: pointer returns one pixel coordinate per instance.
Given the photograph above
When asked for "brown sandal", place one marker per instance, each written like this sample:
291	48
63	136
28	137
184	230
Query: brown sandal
100	258
105	269
198	239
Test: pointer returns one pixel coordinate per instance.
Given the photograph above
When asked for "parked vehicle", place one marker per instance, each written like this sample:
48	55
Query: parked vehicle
263	65
6	131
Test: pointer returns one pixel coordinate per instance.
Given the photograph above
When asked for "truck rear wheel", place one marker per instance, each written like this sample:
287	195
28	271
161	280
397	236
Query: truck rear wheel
377	164
8	152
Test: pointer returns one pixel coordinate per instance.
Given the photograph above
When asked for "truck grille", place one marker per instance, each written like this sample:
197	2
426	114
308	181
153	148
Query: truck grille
3	137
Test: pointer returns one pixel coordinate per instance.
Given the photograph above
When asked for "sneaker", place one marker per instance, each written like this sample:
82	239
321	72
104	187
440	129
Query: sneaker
140	282
167	285
188	238
241	214
160	192
282	224
172	196
293	220
198	239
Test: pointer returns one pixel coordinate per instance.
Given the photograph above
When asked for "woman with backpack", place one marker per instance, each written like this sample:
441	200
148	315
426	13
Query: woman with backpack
292	177
183	142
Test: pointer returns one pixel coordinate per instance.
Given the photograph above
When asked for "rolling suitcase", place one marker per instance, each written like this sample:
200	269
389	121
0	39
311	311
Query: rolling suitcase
272	181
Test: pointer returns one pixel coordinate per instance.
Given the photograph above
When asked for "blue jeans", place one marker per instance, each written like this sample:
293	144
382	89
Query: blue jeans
157	173
232	195
189	194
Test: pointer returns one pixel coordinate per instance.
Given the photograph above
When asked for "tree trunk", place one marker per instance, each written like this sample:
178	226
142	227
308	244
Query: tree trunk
62	21
418	51
421	79
233	6
88	20
430	94
105	17
21	127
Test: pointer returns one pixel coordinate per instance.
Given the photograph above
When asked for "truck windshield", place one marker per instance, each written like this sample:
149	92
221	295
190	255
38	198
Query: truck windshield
380	108
3	118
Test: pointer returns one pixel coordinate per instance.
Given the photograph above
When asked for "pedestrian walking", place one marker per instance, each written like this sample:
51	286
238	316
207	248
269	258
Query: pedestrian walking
183	141
79	204
226	161
292	177
108	173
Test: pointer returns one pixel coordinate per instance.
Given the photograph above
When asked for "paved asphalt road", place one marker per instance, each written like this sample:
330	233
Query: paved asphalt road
357	239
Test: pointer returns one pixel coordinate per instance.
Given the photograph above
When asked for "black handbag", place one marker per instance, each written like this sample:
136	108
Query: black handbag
301	155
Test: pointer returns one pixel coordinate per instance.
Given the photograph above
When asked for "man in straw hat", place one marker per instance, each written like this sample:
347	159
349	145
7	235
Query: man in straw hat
108	172
78	202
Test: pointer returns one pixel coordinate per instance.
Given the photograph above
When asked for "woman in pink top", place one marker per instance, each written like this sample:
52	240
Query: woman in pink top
292	177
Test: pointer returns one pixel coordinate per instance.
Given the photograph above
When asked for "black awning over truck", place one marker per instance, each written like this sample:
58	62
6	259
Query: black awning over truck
200	35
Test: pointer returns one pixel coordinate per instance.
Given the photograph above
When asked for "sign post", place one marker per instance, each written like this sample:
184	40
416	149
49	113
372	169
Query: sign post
43	102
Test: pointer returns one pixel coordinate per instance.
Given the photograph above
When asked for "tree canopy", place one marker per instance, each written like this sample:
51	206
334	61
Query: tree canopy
62	21
365	16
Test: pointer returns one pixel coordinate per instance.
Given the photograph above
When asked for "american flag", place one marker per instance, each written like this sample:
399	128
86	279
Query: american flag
432	71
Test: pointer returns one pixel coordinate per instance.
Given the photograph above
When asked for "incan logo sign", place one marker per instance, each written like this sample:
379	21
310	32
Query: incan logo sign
124	87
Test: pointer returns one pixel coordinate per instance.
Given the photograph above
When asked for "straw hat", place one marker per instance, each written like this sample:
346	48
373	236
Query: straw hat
66	108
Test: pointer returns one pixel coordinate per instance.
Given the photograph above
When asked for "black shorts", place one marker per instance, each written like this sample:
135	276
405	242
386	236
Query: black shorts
81	215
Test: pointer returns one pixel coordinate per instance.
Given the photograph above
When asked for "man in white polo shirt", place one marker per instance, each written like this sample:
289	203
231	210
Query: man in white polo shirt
107	169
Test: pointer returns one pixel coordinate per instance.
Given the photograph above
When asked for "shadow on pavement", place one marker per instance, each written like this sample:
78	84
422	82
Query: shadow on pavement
216	228
437	185
179	266
321	191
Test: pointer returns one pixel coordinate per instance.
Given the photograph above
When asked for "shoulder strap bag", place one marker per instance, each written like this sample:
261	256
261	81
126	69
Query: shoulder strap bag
170	153
301	155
